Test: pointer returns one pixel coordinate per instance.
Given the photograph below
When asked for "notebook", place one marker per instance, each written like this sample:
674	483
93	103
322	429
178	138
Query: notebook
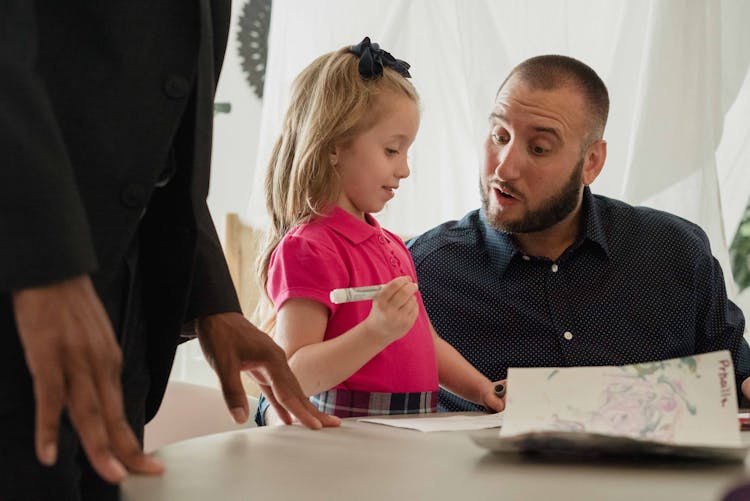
682	407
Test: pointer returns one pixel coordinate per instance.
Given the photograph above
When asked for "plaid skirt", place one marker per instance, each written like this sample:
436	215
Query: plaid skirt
352	403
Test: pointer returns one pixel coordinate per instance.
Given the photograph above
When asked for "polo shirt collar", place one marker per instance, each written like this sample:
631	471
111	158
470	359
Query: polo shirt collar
501	248
352	228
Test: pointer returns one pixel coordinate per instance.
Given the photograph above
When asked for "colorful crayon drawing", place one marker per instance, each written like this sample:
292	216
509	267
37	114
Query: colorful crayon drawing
689	401
646	401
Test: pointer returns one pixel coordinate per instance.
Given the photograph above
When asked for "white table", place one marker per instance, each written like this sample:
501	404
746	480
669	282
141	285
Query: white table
362	461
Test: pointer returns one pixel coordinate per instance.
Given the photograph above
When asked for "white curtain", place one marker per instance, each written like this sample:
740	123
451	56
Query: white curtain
677	71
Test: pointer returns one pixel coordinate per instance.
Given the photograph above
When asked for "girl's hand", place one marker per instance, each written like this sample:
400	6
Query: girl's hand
490	400
394	310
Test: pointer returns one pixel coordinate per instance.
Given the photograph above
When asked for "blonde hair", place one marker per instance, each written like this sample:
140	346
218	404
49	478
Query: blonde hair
330	105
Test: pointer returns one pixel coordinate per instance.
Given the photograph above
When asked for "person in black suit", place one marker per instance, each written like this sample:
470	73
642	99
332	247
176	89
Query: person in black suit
107	249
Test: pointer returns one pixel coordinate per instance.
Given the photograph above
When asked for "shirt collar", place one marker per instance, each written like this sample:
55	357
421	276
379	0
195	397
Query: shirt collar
501	248
499	245
593	226
352	228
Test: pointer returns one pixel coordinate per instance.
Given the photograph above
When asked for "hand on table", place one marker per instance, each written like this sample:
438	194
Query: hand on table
232	344
75	364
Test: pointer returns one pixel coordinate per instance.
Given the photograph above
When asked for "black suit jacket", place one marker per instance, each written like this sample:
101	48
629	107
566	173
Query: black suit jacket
97	99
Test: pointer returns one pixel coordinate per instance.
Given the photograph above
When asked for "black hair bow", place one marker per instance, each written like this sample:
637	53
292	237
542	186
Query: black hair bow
372	59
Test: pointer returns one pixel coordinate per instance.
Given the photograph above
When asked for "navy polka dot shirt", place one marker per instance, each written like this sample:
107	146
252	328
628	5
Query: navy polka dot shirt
637	285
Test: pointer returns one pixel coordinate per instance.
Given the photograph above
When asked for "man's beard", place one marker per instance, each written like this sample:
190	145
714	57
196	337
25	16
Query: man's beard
553	210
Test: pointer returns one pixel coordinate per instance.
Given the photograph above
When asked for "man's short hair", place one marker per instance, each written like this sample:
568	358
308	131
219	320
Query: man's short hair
550	72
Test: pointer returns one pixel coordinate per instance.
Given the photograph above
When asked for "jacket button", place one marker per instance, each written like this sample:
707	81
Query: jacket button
133	195
176	87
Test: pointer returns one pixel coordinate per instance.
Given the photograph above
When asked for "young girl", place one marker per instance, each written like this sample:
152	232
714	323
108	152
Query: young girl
340	157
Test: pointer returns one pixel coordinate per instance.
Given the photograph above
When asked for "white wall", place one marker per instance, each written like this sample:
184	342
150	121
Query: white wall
235	135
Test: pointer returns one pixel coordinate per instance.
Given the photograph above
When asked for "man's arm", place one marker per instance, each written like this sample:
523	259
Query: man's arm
44	234
46	253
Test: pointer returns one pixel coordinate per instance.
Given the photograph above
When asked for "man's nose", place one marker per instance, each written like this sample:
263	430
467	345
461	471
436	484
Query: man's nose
507	161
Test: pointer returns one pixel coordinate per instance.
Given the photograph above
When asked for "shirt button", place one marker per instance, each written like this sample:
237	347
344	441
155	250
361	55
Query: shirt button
176	87
394	262
381	239
568	335
554	268
525	258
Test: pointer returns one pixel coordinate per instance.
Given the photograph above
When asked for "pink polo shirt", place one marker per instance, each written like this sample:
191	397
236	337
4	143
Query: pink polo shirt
340	250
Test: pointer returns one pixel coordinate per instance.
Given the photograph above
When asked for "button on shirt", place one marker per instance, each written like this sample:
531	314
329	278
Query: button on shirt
637	285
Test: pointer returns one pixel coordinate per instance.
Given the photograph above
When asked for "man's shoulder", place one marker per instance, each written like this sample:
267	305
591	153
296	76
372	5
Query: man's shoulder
462	233
645	223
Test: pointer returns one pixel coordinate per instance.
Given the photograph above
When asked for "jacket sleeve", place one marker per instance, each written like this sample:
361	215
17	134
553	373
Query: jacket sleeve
212	290
44	233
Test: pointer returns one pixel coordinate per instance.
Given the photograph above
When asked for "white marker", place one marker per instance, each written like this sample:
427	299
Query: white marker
339	296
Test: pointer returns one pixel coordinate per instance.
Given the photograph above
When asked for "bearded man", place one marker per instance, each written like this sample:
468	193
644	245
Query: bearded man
547	274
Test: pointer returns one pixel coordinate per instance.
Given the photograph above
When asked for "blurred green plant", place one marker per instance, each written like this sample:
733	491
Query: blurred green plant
739	252
222	108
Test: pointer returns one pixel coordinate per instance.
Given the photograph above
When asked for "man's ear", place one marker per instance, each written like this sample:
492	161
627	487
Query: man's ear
593	161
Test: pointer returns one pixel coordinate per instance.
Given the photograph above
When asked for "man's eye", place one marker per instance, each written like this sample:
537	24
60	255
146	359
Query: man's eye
391	152
538	150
